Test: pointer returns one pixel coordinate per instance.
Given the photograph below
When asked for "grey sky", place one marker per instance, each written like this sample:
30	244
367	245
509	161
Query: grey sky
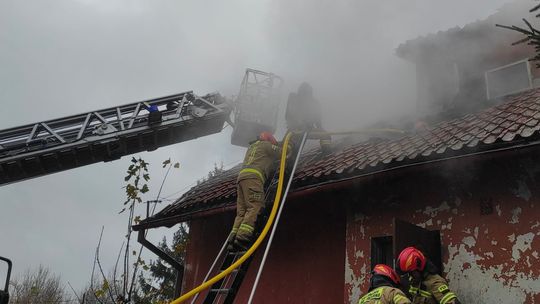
61	57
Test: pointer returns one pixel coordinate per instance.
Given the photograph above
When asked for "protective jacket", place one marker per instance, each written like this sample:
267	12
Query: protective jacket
433	290
303	113
384	295
258	165
259	160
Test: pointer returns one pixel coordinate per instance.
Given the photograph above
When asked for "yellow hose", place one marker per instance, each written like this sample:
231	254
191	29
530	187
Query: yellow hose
259	240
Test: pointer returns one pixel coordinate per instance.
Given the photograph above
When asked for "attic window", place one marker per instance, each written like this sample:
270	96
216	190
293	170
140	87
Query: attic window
508	79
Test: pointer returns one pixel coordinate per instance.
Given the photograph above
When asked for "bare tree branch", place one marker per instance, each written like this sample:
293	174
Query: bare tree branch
75	293
92	277
99	265
116	267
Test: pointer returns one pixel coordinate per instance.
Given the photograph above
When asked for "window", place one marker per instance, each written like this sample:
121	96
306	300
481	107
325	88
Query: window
509	79
382	251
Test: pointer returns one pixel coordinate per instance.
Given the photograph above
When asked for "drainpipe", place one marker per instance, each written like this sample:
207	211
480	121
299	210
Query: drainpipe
141	238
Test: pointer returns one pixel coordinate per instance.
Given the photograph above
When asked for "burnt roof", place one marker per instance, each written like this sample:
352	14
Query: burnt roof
515	120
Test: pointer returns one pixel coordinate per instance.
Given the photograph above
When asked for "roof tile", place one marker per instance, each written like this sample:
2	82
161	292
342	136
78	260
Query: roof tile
519	115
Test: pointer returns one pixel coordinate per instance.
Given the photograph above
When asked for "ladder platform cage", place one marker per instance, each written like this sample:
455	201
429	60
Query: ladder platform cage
256	107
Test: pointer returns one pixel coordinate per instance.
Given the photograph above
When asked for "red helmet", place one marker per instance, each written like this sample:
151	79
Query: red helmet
267	136
386	271
411	259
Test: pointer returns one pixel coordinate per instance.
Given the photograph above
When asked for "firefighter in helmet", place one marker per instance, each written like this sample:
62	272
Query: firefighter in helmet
303	114
258	165
384	287
426	286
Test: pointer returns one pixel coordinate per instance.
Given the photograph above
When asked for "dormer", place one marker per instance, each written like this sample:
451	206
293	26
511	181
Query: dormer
465	68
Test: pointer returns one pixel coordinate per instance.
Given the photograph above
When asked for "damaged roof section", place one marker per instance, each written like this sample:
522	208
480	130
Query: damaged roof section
505	125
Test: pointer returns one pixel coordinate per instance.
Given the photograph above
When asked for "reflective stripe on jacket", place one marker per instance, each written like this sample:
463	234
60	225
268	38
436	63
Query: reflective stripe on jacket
259	160
385	295
434	290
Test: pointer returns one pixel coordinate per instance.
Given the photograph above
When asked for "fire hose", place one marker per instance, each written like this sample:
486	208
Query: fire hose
257	242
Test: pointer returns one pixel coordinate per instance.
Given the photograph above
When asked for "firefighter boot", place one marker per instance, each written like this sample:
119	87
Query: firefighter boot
242	244
230	241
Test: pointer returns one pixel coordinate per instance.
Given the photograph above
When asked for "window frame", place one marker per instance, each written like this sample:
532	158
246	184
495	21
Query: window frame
376	249
529	74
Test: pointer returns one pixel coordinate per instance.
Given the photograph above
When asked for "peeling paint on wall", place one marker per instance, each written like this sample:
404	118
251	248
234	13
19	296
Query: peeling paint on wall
491	284
487	257
356	270
521	244
515	215
354	281
432	212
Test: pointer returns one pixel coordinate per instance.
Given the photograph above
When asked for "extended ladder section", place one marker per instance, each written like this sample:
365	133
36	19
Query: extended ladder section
108	134
224	290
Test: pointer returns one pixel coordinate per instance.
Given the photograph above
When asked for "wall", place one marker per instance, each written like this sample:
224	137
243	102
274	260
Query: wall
487	210
305	264
464	57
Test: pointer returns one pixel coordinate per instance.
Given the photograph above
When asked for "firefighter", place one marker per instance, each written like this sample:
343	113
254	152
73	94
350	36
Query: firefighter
303	114
258	164
384	287
426	286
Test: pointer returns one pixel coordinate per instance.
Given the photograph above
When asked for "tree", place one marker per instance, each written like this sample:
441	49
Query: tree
532	35
37	286
159	285
121	285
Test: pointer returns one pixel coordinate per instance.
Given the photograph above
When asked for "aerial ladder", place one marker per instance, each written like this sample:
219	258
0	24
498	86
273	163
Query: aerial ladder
56	145
108	134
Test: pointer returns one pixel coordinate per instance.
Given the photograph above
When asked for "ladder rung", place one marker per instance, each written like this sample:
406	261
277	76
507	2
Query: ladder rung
220	290
235	253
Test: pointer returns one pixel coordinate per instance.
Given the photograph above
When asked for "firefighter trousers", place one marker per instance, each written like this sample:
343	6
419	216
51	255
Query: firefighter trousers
249	204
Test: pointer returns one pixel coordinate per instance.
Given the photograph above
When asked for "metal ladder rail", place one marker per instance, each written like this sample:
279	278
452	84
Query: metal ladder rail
218	257
227	292
230	292
272	233
220	289
231	284
56	145
260	238
271	189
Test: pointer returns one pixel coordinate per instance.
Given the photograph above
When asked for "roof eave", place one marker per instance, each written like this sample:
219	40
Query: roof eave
341	183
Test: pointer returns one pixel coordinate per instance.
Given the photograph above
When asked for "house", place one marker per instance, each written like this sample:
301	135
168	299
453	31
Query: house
472	63
466	189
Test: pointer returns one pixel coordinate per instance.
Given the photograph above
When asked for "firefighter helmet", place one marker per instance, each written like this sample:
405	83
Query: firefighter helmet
267	136
411	259
387	271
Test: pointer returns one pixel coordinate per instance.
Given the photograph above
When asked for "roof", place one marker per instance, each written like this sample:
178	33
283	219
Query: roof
515	120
